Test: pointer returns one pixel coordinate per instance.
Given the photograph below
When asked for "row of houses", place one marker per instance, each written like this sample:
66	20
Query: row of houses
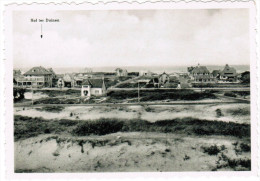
202	74
35	77
93	83
42	77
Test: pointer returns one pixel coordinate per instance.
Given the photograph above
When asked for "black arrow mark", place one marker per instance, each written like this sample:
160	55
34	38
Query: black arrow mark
41	30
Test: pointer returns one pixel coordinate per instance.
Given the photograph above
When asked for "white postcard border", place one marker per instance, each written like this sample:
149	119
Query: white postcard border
114	5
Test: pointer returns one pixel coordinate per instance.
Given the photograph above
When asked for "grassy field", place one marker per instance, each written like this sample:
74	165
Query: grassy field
158	95
114	144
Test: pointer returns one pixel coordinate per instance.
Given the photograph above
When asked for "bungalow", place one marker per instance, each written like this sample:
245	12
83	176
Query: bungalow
164	78
200	74
68	80
145	73
36	77
228	74
94	87
121	72
160	81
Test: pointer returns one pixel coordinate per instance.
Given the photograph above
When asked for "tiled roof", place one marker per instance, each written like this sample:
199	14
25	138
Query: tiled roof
228	71
200	70
38	71
68	78
203	77
94	83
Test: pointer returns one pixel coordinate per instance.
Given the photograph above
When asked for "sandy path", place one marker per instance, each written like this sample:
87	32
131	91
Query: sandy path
150	113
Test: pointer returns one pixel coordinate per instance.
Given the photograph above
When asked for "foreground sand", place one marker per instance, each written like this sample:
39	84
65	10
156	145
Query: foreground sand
126	152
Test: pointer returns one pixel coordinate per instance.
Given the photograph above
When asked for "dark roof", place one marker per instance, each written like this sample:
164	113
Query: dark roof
228	71
38	71
94	83
120	70
203	77
163	74
200	70
215	72
16	72
68	77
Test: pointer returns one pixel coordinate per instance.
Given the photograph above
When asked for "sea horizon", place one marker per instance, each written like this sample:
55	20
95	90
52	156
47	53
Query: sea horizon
154	69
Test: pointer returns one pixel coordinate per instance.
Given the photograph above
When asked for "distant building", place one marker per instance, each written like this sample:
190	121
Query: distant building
160	81
164	78
17	73
87	70
145	73
200	74
68	80
94	87
36	77
228	74
121	72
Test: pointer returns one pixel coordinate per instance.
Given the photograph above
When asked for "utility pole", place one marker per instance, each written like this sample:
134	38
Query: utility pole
32	94
138	93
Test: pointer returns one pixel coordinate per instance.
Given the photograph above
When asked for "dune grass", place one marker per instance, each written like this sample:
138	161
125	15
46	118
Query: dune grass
25	127
161	94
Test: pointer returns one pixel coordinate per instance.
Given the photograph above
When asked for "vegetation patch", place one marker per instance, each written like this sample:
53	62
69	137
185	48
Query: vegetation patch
18	94
55	93
55	109
230	94
161	94
239	164
239	111
212	150
25	127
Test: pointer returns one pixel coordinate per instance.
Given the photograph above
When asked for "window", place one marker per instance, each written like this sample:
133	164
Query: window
96	91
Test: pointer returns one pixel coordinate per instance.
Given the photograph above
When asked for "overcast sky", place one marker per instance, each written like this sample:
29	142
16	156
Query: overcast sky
132	38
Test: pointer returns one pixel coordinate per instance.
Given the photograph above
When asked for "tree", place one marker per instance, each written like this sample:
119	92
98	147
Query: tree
18	94
245	77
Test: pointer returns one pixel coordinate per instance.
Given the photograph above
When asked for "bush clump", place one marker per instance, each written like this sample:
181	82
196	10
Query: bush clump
245	147
100	127
55	109
211	150
25	127
230	94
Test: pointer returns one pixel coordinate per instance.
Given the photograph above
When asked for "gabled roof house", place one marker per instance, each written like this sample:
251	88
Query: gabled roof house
91	87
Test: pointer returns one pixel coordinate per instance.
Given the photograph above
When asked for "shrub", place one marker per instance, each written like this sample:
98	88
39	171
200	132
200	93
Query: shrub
148	109
230	94
18	94
100	127
219	113
212	150
233	163
25	127
245	147
239	111
55	109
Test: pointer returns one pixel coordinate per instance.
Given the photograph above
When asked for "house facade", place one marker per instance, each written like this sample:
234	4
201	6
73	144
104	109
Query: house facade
164	78
145	73
36	77
121	72
200	74
228	74
93	87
